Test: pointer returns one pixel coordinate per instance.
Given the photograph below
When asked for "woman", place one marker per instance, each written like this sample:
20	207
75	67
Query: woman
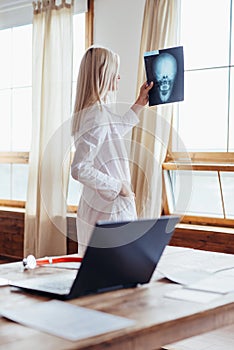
100	162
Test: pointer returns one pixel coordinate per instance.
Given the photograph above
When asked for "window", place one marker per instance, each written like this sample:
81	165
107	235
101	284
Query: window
74	188
15	112
201	161
15	115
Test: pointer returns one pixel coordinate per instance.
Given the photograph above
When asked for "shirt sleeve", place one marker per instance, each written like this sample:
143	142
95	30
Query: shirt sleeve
126	122
82	169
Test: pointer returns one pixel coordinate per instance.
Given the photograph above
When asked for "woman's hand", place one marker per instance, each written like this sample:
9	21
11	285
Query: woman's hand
126	190
143	97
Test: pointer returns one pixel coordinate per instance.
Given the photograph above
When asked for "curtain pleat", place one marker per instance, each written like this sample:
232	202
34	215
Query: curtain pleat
45	5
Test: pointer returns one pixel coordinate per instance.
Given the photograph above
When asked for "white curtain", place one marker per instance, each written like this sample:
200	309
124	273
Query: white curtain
151	137
45	218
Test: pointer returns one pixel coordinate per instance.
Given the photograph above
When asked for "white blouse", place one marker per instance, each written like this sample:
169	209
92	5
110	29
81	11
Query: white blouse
101	164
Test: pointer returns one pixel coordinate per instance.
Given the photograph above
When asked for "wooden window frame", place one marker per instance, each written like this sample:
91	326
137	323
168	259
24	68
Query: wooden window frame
201	161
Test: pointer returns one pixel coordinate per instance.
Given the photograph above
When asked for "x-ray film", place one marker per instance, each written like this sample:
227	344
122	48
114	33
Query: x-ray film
166	69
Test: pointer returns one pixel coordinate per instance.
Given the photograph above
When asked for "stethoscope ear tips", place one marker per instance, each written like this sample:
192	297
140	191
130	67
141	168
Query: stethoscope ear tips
29	262
25	262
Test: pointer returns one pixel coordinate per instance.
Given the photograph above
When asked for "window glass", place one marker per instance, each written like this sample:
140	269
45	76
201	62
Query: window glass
79	42
16	105
22	58
232	43
205	32
15	70
231	114
74	187
5	183
203	120
227	180
74	192
5	58
21	119
203	198
19	181
5	120
14	178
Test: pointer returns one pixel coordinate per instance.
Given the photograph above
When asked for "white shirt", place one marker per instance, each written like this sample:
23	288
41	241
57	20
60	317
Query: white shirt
101	164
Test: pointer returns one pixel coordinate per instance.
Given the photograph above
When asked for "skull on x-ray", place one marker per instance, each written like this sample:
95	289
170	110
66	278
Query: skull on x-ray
165	68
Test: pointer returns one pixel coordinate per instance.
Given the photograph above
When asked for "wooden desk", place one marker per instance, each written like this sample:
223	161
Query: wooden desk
159	320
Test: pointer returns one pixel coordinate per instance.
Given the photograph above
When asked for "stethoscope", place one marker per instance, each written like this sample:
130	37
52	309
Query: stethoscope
31	262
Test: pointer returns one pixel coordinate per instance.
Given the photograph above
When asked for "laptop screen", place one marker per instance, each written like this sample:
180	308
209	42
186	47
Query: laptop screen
123	254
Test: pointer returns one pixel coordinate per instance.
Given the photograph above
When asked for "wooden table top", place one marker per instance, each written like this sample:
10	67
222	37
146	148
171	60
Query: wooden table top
159	320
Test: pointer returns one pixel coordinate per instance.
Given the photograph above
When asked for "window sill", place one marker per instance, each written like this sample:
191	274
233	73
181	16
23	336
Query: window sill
12	209
22	210
206	228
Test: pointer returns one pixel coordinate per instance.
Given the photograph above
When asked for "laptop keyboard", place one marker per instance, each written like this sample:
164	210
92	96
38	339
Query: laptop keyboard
57	285
53	284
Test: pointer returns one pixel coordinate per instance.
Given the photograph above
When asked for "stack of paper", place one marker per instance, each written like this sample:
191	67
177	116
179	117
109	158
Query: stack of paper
66	320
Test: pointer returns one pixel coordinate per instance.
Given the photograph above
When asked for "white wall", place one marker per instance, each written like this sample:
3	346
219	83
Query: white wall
117	25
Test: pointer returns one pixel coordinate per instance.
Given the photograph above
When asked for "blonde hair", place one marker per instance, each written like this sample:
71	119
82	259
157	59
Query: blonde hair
98	71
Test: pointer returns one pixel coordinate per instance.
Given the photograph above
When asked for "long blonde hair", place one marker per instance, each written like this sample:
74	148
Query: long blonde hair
98	71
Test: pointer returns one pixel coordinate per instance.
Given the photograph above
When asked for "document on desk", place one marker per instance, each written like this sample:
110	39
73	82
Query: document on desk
66	320
199	260
3	282
184	276
215	283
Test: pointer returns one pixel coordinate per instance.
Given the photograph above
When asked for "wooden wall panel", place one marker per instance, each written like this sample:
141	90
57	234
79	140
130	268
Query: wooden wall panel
12	235
204	239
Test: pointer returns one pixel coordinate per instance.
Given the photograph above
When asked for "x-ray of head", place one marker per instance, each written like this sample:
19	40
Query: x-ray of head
166	69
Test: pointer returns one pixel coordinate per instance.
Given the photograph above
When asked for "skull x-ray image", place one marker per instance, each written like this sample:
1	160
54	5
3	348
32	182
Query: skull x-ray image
166	69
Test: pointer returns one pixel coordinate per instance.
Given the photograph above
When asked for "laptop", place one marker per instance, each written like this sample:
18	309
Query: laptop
119	255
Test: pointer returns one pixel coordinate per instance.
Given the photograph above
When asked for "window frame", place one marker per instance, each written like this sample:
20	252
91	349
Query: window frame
201	161
23	157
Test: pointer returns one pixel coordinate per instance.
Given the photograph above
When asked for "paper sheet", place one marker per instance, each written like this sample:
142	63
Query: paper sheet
194	259
3	282
226	272
192	295
66	320
215	283
184	276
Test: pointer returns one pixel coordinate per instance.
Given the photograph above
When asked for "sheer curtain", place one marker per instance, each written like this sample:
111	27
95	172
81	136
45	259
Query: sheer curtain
150	138
45	218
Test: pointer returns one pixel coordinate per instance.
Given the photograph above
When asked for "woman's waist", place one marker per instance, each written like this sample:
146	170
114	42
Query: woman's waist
117	168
